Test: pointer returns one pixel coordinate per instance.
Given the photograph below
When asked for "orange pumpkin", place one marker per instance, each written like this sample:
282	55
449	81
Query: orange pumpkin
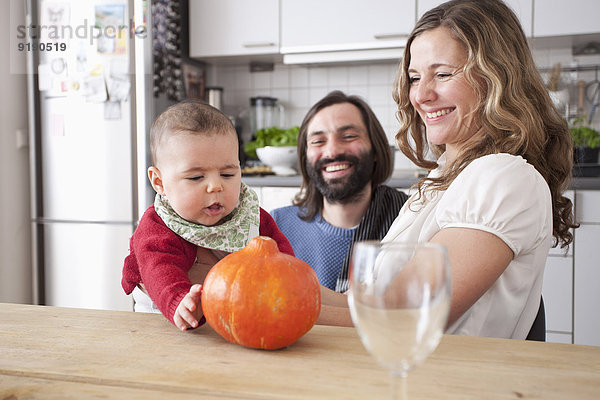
261	298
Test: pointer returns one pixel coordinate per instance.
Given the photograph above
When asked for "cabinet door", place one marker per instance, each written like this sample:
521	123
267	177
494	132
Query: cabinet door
523	9
587	208
557	291
586	329
559	17
231	28
84	264
315	25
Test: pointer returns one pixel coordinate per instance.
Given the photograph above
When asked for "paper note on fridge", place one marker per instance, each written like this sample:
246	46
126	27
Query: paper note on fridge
94	89
57	125
118	88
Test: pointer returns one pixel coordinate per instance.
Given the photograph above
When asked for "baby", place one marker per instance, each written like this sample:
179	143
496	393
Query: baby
201	213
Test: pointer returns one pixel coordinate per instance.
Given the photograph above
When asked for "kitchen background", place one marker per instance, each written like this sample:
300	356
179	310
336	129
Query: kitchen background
297	87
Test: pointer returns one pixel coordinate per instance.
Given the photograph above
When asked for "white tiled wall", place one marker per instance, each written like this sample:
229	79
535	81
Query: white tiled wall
298	87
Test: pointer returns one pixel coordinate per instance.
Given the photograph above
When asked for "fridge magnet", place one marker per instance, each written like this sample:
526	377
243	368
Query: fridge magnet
110	21
75	86
98	70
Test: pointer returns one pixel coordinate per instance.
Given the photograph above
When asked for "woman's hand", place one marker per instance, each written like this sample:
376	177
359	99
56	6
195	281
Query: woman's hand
189	312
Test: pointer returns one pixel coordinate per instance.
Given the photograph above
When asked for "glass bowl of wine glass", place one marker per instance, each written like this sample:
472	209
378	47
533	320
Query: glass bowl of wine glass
399	298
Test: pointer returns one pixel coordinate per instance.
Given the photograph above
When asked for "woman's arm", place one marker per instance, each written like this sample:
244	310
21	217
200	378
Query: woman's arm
477	259
334	309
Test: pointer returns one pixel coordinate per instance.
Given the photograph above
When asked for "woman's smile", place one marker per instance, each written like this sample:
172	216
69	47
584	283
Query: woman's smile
439	113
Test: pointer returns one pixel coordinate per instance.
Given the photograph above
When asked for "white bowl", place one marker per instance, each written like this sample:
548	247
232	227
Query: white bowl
283	160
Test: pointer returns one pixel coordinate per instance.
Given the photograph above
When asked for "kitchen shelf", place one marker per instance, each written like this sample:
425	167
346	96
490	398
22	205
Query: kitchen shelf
573	68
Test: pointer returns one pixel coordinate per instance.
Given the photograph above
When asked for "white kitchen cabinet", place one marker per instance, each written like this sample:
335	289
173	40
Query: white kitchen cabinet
587	209
523	9
557	291
559	17
553	337
233	28
337	25
92	276
586	316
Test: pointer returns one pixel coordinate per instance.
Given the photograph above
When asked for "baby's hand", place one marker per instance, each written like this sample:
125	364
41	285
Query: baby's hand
188	313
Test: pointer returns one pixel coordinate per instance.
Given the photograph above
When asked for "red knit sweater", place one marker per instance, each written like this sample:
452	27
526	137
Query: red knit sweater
160	259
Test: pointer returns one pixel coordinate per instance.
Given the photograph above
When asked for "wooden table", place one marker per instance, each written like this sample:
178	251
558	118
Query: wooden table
61	353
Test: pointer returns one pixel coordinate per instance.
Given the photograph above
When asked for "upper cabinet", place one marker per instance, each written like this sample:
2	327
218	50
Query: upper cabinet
233	28
307	31
562	18
523	9
344	25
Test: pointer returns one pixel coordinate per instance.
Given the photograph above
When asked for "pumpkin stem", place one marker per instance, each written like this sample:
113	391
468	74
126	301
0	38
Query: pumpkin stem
263	244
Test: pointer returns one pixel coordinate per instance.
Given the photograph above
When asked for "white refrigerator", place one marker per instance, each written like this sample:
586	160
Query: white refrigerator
90	108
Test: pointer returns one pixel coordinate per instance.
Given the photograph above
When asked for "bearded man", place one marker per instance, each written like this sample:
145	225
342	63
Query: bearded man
345	158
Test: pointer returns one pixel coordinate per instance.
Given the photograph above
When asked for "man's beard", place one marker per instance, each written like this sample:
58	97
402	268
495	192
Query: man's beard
346	189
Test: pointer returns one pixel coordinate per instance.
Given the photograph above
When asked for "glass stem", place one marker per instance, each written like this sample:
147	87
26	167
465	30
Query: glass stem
398	385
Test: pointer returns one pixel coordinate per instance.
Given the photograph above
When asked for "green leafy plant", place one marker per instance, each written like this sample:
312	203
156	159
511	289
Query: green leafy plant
584	136
273	136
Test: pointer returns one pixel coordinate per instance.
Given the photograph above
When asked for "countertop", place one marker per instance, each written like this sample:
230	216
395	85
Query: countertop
577	183
68	353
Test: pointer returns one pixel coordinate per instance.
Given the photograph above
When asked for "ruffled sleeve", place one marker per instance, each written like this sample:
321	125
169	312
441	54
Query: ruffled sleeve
501	194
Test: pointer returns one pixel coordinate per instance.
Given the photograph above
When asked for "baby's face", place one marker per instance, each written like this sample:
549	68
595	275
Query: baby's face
201	175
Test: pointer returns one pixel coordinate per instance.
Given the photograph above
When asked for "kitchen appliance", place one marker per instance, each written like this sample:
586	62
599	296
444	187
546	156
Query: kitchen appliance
265	112
91	107
214	97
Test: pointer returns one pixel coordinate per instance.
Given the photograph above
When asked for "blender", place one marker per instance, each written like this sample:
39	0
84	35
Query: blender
265	112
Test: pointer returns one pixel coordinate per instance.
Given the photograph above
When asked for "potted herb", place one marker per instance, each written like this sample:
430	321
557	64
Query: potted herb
586	142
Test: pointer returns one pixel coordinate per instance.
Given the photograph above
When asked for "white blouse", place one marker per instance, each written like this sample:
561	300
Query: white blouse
504	195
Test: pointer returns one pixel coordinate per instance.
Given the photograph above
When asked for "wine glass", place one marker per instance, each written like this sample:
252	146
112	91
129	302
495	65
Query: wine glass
399	301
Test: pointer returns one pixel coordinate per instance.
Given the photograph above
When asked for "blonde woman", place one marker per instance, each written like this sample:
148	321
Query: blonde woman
469	91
